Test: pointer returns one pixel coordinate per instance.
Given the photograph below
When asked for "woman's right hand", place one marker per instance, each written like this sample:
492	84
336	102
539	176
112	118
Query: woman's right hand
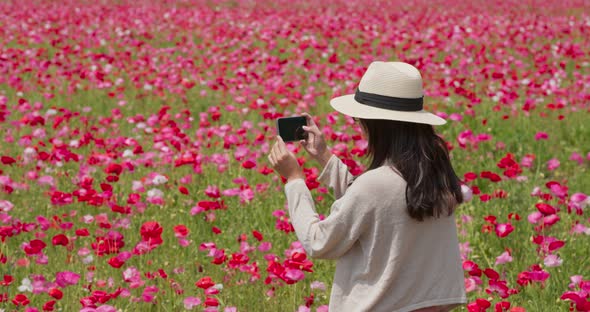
315	144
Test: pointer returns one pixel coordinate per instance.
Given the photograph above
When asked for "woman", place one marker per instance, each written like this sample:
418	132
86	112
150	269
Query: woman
392	229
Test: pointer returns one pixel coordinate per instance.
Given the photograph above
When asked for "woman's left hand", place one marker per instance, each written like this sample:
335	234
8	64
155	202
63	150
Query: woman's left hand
284	162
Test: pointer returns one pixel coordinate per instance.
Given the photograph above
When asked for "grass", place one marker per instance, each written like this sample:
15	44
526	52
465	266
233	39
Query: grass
242	218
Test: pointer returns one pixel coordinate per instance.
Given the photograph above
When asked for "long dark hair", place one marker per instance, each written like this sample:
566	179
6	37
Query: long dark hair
421	157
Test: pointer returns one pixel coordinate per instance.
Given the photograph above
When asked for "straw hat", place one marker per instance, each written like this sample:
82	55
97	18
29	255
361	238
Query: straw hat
388	90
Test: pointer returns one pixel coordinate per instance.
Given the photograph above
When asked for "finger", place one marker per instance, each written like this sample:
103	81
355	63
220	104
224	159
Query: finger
275	153
281	150
309	133
317	131
307	116
272	150
281	146
312	140
313	130
311	125
309	119
271	160
307	129
302	142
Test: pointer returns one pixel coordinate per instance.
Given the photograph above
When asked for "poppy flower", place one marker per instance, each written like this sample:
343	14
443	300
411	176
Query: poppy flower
151	232
60	239
205	282
504	229
21	300
56	293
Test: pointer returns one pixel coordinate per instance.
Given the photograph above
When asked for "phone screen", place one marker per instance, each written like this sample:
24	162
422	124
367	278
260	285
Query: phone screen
291	128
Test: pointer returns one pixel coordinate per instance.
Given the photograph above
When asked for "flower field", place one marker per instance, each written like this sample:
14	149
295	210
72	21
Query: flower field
133	168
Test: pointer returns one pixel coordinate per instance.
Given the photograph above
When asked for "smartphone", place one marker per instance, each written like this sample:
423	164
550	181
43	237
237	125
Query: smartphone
291	128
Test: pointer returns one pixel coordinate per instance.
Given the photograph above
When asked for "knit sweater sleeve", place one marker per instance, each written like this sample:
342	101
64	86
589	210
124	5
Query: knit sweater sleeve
336	176
349	217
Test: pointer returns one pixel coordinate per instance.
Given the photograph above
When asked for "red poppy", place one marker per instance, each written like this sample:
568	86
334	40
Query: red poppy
504	229
115	262
211	302
82	232
248	164
151	232
180	230
34	247
8	279
121	209
490	176
205	282
183	190
257	235
56	293
113	169
545	209
49	306
7	160
60	239
20	300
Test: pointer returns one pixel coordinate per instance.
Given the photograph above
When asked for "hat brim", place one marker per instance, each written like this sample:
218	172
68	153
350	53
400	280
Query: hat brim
348	106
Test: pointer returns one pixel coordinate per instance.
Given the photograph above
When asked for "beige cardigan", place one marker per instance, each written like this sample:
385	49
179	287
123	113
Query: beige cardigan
386	260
